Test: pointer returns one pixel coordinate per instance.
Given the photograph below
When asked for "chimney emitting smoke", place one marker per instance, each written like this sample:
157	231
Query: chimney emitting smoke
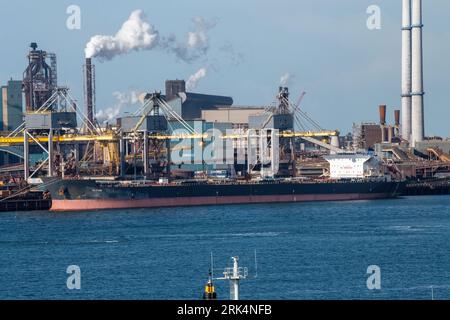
89	92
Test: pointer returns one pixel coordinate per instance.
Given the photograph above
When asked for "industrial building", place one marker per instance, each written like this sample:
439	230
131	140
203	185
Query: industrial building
440	144
209	108
236	115
366	135
40	78
11	115
11	106
190	105
406	136
59	138
169	140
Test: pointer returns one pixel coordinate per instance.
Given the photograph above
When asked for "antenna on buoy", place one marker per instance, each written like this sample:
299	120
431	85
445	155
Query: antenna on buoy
212	265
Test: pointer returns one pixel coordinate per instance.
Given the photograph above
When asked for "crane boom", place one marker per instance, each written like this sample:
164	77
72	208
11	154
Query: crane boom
323	144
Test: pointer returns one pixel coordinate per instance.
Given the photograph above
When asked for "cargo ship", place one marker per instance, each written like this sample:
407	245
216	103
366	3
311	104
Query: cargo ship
98	194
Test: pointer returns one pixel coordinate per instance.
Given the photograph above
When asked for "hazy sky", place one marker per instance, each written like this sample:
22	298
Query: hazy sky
345	68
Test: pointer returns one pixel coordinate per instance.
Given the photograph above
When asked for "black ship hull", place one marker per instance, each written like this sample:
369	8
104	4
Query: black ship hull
78	195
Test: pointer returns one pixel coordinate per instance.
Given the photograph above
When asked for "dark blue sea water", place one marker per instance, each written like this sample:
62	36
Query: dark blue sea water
305	251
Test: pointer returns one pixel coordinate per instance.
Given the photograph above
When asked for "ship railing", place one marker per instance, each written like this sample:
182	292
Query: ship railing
228	273
144	183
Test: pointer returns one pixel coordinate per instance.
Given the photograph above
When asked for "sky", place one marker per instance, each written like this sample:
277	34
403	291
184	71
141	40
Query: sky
346	69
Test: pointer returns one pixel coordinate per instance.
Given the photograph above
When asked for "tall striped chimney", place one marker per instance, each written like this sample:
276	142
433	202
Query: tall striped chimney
417	115
406	71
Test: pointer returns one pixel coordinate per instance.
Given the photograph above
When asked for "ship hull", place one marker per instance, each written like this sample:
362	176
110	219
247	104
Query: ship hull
82	195
83	205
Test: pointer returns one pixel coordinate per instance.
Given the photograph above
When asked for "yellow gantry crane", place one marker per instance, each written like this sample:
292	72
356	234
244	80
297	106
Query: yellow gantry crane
112	137
13	141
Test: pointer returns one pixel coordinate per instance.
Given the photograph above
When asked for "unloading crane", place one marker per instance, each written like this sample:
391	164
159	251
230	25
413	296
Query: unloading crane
9	141
324	145
289	134
110	146
19	140
439	154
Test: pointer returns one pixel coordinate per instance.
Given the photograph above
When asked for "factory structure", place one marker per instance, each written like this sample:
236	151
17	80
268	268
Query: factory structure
403	144
45	133
51	136
11	114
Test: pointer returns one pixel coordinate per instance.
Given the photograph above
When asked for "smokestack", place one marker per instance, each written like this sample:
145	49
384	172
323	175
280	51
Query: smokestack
397	116
89	92
396	128
383	115
173	88
406	70
382	110
417	116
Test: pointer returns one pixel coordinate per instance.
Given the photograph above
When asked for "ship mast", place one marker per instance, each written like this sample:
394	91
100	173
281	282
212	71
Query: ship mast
234	274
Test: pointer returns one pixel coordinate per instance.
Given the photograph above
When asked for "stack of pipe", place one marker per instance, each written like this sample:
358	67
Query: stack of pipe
388	131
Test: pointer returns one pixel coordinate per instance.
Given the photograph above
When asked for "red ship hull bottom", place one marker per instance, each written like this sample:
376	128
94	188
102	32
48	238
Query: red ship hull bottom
100	204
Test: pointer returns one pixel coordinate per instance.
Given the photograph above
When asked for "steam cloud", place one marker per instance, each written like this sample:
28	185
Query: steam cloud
197	42
124	99
287	79
138	34
194	79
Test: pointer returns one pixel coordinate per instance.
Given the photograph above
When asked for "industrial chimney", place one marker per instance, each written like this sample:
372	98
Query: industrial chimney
397	123
417	115
382	109
406	71
89	92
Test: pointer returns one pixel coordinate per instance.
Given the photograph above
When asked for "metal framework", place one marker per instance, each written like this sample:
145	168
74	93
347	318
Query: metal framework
234	274
113	147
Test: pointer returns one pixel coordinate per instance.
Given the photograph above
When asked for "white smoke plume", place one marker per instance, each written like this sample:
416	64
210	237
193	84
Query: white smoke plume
135	34
124	100
287	79
194	79
138	34
196	44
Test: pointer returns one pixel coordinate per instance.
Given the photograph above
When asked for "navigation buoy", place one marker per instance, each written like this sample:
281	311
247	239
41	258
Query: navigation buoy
210	291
